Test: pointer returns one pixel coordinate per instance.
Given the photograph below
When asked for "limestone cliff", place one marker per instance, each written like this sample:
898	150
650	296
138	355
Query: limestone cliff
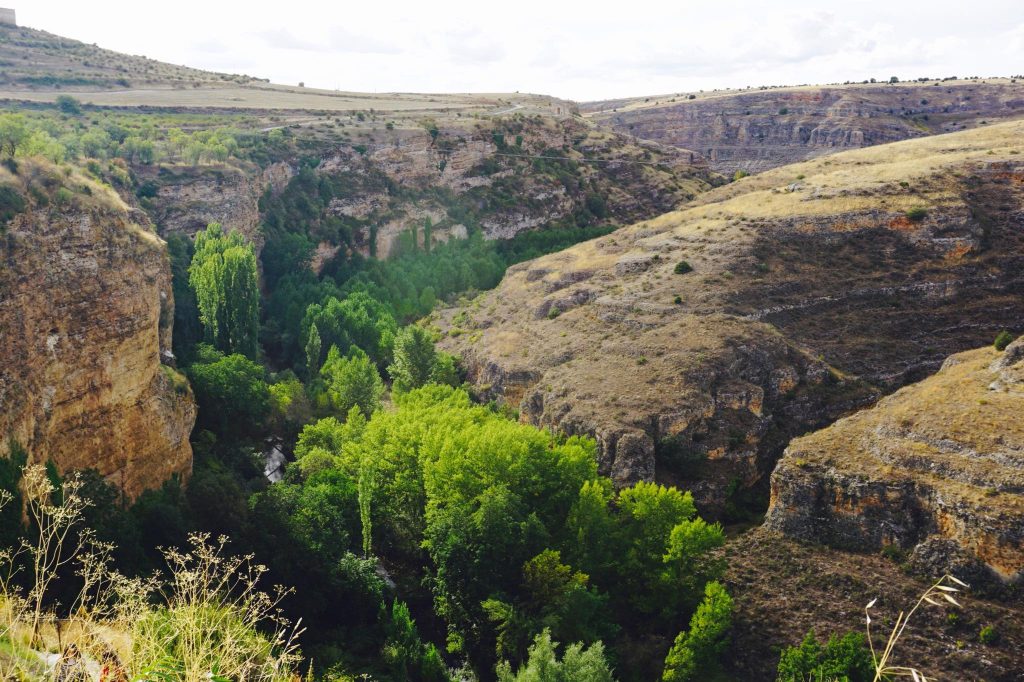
695	344
185	199
85	313
754	130
502	176
936	469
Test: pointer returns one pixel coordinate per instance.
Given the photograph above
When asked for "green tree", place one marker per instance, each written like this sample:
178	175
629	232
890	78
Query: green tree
313	350
356	320
69	105
13	133
415	359
407	657
696	650
231	392
223	275
578	664
351	381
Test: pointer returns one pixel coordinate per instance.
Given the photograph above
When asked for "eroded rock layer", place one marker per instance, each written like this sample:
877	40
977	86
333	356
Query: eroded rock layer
936	469
85	313
755	130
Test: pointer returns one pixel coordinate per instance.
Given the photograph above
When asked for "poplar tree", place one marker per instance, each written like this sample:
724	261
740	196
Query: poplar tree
223	275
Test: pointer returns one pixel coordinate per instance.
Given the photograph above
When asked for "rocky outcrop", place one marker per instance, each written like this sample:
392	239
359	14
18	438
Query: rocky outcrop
503	177
936	469
185	199
85	315
798	299
754	130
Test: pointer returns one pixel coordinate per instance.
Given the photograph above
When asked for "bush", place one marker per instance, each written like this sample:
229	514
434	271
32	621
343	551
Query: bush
11	203
846	659
988	635
1004	339
682	267
917	214
577	664
69	105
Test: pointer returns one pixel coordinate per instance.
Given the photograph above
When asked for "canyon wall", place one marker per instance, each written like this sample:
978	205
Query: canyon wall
754	130
85	315
935	470
695	344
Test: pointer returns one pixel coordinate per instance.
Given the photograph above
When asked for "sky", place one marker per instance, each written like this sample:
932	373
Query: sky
576	50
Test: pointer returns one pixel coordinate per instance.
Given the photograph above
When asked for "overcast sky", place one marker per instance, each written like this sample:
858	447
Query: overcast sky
577	50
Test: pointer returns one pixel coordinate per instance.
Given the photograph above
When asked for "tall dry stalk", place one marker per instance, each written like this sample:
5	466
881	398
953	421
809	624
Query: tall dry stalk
214	623
212	617
883	668
55	515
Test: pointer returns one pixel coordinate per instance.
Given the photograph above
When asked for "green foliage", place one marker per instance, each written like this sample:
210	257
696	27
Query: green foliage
740	174
695	651
988	635
844	659
406	656
289	404
578	664
11	203
682	267
14	132
231	392
355	320
223	276
917	214
313	349
187	329
416	361
554	598
351	381
1004	339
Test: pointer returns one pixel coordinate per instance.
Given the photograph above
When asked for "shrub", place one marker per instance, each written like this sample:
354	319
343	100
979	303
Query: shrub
842	658
988	635
1004	339
11	203
577	664
69	105
230	390
738	175
678	300
917	214
783	111
682	267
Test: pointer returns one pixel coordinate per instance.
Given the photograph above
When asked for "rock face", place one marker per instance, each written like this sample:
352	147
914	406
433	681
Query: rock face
186	199
936	469
757	130
504	177
802	297
85	314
